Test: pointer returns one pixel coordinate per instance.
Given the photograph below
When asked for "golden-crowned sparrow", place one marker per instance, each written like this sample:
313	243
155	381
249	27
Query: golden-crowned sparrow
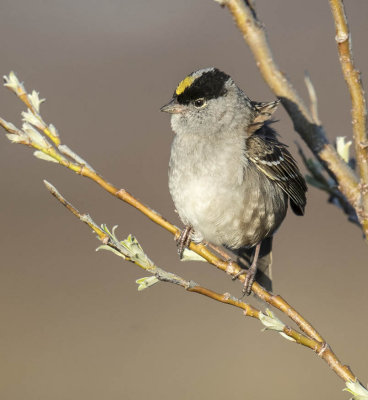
229	176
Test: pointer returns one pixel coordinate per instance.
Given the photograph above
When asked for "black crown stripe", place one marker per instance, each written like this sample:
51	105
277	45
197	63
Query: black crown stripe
210	85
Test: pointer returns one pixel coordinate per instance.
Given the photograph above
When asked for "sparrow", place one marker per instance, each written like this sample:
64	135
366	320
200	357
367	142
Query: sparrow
230	178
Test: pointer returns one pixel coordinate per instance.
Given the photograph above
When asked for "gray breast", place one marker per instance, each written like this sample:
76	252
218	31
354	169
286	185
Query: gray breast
225	199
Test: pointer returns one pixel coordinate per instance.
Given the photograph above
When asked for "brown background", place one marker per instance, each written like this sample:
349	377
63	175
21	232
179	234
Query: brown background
73	325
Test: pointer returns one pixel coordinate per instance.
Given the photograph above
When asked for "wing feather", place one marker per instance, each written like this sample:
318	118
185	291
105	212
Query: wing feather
275	161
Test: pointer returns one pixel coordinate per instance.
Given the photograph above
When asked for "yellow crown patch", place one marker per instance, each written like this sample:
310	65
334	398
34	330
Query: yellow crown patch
184	84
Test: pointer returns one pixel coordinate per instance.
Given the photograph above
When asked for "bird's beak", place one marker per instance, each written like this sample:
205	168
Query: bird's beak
173	107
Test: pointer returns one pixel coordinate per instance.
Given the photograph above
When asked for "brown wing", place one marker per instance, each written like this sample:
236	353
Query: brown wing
274	160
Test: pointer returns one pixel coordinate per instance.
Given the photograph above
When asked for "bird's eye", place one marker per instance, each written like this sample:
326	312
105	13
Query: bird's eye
199	103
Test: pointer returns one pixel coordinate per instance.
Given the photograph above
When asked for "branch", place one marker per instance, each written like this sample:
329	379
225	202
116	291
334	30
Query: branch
359	110
131	251
303	119
318	180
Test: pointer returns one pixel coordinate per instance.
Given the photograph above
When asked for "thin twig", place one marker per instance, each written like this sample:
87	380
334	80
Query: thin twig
312	97
219	250
270	321
358	110
328	186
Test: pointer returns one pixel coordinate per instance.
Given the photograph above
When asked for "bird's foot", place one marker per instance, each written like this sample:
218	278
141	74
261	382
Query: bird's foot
251	273
183	240
249	279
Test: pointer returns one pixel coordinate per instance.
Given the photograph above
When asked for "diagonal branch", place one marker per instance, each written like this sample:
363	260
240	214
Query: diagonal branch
254	34
131	251
358	110
304	123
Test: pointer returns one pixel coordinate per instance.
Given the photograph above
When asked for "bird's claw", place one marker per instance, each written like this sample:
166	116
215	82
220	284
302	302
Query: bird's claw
248	282
183	240
251	273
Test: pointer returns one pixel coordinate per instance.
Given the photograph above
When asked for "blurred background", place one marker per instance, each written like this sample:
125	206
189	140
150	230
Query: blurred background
73	325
